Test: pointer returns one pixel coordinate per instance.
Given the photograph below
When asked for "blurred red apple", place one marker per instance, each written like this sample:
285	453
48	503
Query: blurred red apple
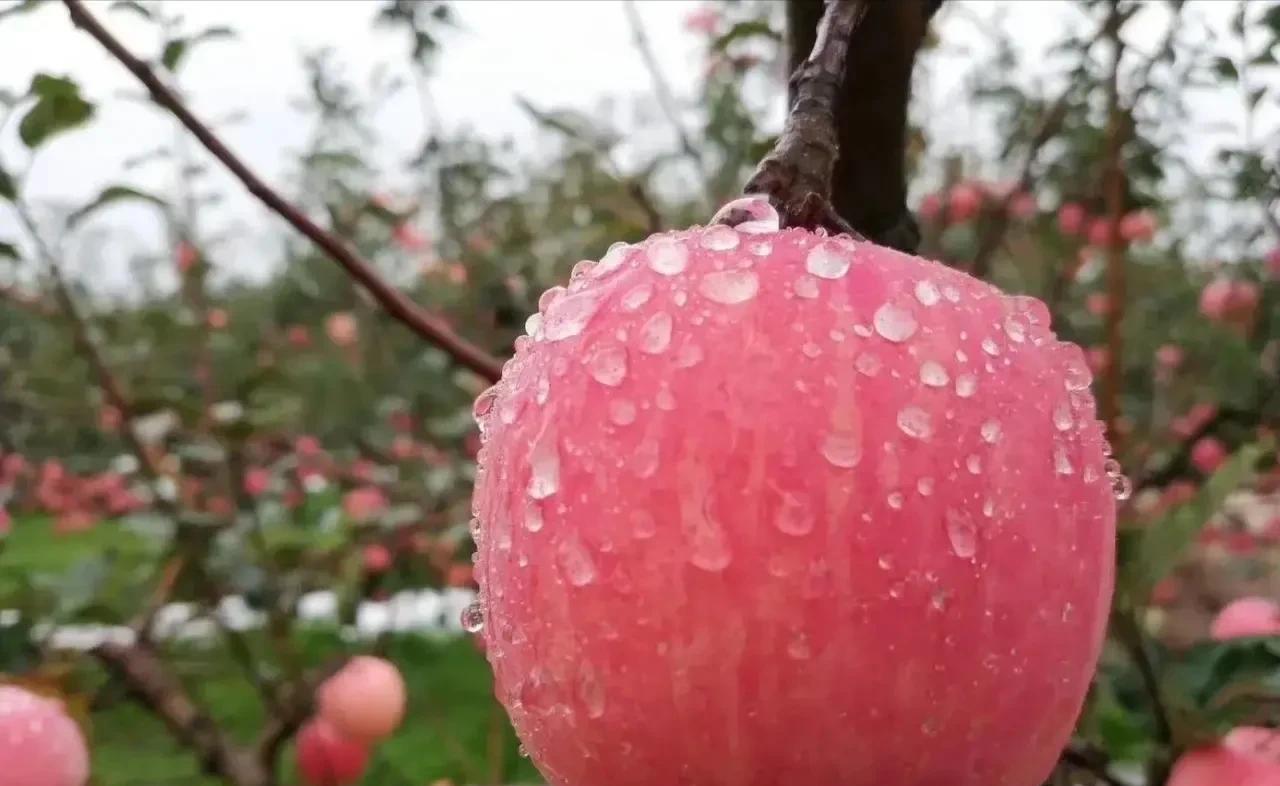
39	744
1252	616
326	757
1208	454
365	700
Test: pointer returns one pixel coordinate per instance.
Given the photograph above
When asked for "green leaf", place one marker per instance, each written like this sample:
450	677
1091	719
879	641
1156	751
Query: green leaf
8	189
745	30
59	107
132	6
1225	68
173	52
1150	554
176	49
1217	685
8	250
110	196
20	8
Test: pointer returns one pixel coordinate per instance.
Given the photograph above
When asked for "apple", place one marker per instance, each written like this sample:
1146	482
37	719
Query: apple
40	745
365	700
1251	616
328	758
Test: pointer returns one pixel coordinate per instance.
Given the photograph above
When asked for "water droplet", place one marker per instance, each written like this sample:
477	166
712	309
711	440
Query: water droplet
522	750
612	260
915	422
990	347
644	460
643	524
591	692
962	534
663	399
862	330
1076	376
719	238
973	463
1062	419
655	334
927	292
548	299
752	214
895	500
680	297
1014	329
689	356
544	466
484	404
966	385
938	600
667	257
569	315
867	364
988	508
608	364
806	287
472	617
575	561
798	648
1062	463
811	350
473	526
925	486
990	432
636	297
933	374
793	516
951	293
708	548
884	562
827	260
533	325
622	412
543	390
533	520
762	249
581	270
729	286
842	449
930	727
894	323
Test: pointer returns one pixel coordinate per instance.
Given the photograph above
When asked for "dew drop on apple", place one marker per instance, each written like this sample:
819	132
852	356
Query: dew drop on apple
729	287
1062	419
655	334
719	238
966	385
533	520
827	260
894	323
842	449
472	617
933	374
622	412
962	534
575	561
915	422
667	257
805	287
1062	462
990	431
544	467
754	215
793	516
636	297
608	365
569	315
927	292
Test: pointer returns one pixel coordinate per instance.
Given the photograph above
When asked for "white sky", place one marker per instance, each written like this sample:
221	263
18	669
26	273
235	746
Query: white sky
554	53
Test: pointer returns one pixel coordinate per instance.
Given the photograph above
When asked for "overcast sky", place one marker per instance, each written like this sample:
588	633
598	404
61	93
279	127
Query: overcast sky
553	53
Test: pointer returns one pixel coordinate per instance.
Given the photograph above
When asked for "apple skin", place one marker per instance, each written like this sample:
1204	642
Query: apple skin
40	745
1247	756
328	758
761	508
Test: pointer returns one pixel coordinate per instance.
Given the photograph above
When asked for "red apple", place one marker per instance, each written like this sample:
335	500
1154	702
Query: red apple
767	507
39	744
1245	757
1244	617
1208	454
328	758
365	700
964	202
1072	219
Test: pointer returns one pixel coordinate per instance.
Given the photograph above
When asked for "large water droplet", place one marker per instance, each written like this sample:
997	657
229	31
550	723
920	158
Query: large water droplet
1062	419
1121	487
1014	329
894	323
708	548
867	364
668	257
753	215
729	286
655	334
927	292
1076	376
915	422
608	364
806	287
484	404
569	315
973	463
548	298
925	486
636	297
828	260
533	325
472	617
612	260
962	534
933	374
591	692
966	385
533	520
689	356
1062	462
990	431
544	466
575	561
951	294
794	516
895	500
990	347
842	449
719	238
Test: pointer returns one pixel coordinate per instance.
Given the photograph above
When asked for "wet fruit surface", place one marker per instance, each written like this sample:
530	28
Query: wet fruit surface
761	508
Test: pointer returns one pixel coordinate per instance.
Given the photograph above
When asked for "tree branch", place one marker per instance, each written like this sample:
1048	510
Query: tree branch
797	174
143	672
395	302
1114	192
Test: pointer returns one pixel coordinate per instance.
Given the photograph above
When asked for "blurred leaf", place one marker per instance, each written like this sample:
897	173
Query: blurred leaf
745	30
8	189
1225	68
20	8
176	49
110	196
133	6
1218	685
8	250
1148	555
59	107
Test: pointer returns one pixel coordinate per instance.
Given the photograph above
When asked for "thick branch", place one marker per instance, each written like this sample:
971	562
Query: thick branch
395	302
868	189
142	671
797	174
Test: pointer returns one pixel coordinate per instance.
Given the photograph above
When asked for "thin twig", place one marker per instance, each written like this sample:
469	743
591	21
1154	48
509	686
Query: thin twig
662	90
1091	762
395	302
797	174
1114	187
